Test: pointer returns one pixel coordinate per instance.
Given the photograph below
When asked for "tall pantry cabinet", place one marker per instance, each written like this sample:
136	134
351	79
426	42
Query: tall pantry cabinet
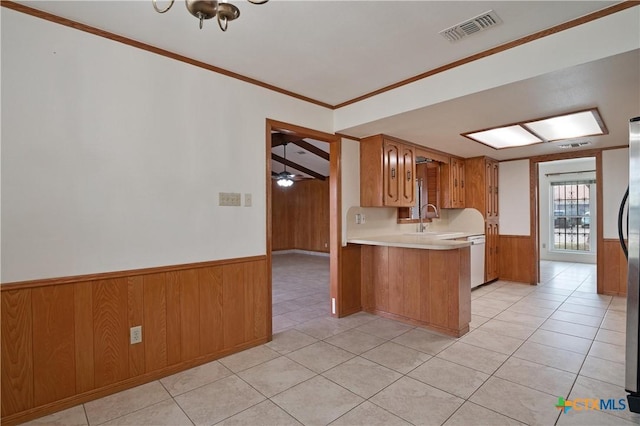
482	194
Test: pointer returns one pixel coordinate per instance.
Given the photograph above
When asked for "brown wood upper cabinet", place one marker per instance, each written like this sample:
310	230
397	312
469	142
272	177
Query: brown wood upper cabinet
387	172
482	186
453	184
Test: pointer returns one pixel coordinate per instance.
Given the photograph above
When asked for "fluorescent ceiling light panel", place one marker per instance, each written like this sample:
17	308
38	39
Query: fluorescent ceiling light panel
570	126
505	137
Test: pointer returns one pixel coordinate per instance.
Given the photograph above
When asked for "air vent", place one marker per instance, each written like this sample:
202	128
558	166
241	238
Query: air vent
479	23
574	145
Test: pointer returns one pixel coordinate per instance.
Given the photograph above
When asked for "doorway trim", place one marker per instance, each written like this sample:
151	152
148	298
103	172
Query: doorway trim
534	203
335	215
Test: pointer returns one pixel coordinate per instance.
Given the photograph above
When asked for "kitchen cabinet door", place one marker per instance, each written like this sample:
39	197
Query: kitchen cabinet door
491	252
407	195
494	181
387	173
491	179
399	175
391	173
452	178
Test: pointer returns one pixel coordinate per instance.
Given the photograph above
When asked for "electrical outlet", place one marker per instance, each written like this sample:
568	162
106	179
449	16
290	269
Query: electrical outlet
247	200
135	334
358	218
362	219
229	199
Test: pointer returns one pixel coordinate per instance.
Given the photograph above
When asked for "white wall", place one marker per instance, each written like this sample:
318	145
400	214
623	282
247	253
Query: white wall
567	167
513	198
113	157
514	193
615	179
350	160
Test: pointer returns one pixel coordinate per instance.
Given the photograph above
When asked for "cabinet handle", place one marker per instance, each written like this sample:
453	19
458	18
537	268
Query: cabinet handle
455	183
409	175
462	184
393	172
496	189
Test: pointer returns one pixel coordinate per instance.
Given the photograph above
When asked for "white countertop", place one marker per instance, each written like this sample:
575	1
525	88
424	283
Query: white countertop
430	240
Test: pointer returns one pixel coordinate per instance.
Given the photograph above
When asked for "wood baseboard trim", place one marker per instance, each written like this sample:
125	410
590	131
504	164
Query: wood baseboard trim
410	321
21	285
350	312
81	398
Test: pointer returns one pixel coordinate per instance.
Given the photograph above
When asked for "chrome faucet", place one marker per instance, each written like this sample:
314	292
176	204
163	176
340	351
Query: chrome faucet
435	209
422	208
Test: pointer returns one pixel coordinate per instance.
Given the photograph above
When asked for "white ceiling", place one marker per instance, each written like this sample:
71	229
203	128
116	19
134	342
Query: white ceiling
335	51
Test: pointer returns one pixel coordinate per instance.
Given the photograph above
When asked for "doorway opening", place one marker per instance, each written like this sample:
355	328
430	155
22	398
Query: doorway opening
567	223
303	224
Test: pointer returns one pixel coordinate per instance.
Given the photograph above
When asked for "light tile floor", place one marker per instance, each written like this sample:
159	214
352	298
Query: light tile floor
528	346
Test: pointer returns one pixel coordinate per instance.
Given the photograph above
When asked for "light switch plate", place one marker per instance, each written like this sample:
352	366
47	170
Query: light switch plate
229	199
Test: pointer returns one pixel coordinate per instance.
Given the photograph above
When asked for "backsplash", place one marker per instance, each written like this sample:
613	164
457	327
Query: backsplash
383	221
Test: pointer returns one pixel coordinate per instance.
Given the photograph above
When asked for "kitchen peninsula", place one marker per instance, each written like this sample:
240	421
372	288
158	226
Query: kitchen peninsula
421	279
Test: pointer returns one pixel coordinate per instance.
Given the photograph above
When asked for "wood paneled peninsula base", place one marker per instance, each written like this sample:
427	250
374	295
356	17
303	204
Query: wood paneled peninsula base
419	286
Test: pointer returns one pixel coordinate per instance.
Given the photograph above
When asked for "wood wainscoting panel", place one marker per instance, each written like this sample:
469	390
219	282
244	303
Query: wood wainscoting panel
367	288
154	330
300	216
431	288
425	286
460	303
211	306
615	269
66	342
281	232
17	352
174	318
256	313
83	328
440	269
411	275
135	306
514	257
54	364
351	281
233	302
110	331
189	313
396	284
380	269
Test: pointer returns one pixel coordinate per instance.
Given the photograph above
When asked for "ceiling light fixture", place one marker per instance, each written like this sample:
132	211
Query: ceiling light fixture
285	179
505	137
568	126
561	127
207	9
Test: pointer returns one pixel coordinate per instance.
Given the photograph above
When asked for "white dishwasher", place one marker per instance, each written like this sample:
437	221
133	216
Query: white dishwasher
477	259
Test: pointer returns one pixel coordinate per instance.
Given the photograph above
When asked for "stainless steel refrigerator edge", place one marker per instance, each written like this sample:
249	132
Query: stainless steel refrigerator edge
632	380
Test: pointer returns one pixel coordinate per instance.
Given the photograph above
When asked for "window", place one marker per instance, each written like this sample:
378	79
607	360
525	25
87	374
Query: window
571	216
